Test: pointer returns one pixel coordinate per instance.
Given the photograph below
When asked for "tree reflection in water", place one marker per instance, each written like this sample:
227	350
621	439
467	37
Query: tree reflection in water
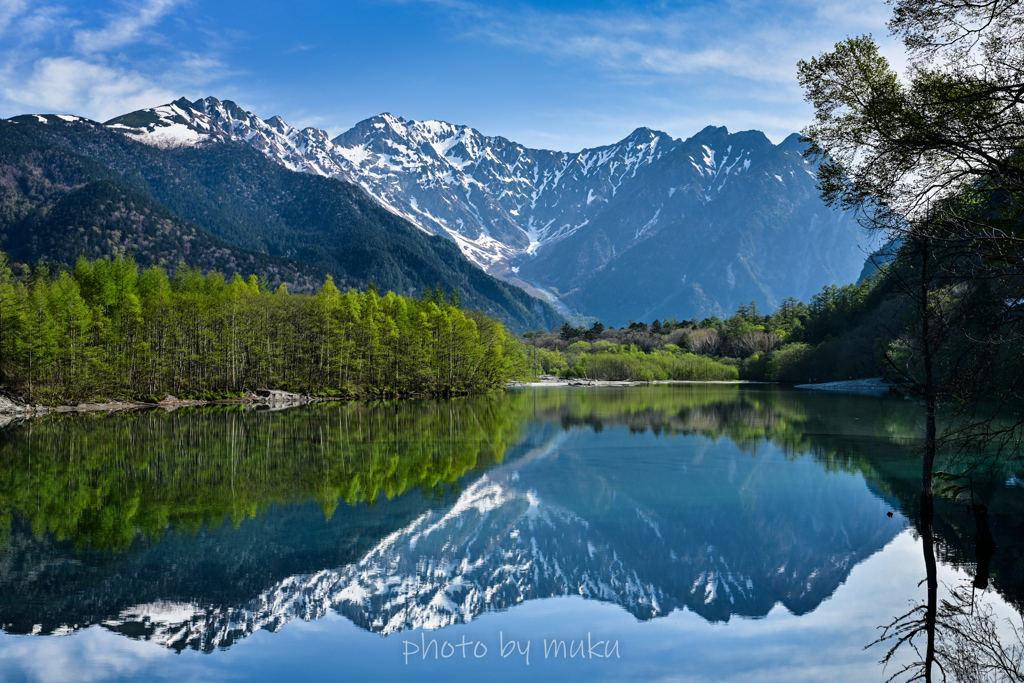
130	493
961	632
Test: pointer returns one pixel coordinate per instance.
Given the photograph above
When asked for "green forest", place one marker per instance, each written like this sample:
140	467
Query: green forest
853	331
831	338
108	329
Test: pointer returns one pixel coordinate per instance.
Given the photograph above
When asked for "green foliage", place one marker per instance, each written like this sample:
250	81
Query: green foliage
107	330
625	363
101	479
547	362
755	367
833	338
835	309
787	365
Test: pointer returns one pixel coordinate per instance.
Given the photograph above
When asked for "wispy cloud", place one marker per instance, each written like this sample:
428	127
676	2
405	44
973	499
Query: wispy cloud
124	29
50	63
699	40
756	39
73	86
42	22
678	66
9	9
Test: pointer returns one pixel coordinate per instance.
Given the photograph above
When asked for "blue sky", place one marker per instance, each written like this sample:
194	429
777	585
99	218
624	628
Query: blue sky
558	75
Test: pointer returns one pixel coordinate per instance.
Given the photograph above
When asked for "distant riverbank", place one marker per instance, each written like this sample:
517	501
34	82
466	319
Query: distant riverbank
873	385
274	399
553	381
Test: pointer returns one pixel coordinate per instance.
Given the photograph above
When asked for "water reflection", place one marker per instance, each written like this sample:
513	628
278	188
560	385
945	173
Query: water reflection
722	500
956	637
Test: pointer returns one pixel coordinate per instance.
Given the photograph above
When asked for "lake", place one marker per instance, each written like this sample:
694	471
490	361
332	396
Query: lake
668	532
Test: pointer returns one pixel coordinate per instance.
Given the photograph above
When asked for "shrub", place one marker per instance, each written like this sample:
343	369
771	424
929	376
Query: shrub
790	363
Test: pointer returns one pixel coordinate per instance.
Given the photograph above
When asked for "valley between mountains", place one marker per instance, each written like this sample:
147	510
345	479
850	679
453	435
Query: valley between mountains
649	227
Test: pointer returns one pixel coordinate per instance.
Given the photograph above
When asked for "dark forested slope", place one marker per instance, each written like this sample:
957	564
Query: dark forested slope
56	205
70	187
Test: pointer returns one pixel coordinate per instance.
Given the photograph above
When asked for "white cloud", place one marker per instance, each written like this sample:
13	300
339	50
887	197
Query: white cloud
755	40
50	63
9	9
69	85
43	22
192	70
124	29
92	654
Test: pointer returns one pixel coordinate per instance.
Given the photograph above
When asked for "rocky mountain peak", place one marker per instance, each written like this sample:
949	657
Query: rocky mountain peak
516	212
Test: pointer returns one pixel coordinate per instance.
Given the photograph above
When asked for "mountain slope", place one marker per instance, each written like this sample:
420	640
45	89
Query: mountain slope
764	236
239	196
493	197
56	206
744	216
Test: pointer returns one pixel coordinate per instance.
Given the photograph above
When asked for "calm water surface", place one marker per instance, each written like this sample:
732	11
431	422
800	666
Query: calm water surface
686	533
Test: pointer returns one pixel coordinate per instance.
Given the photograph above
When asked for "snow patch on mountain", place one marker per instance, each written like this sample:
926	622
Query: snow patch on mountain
495	198
507	207
169	136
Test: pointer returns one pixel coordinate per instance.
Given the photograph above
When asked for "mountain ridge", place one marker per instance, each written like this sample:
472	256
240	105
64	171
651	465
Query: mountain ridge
227	196
557	223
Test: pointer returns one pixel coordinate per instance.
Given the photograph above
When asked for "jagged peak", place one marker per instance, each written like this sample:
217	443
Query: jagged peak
750	140
183	103
645	131
714	130
793	142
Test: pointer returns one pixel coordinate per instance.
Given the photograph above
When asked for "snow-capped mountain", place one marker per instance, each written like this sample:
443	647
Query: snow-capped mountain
548	220
494	197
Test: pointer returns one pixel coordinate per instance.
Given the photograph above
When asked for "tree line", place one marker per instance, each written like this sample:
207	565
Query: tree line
830	338
110	329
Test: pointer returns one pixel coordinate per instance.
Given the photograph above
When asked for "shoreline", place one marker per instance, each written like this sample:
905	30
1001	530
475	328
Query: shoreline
872	385
276	399
552	381
12	407
261	399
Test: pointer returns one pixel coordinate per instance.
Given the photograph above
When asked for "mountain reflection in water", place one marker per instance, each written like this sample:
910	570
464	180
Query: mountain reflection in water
196	528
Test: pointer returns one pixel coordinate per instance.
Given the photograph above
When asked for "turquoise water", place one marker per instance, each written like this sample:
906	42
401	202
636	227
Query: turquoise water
691	533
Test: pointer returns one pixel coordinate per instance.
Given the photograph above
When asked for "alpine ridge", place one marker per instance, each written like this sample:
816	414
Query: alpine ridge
710	222
71	187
